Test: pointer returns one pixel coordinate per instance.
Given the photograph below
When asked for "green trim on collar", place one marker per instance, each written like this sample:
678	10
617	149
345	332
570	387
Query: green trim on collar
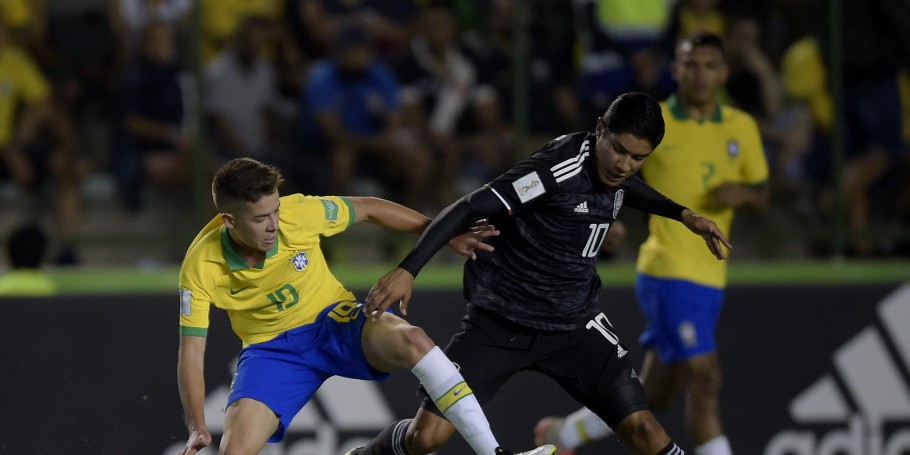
679	112
351	212
233	259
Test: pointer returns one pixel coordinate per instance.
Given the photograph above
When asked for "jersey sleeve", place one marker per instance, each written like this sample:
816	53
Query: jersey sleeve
305	217
754	169
527	182
195	301
338	214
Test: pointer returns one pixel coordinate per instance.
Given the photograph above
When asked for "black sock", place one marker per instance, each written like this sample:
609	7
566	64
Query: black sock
389	441
671	449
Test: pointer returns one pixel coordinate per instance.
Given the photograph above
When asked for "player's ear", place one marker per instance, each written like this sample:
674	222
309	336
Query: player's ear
228	220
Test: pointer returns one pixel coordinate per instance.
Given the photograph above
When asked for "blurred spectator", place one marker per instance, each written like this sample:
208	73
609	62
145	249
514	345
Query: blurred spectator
753	84
615	33
876	154
79	50
132	18
37	141
873	57
351	118
151	145
26	248
552	102
313	22
440	87
691	17
23	21
239	91
222	21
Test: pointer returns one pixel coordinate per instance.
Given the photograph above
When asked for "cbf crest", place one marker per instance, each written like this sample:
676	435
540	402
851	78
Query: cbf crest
733	148
300	261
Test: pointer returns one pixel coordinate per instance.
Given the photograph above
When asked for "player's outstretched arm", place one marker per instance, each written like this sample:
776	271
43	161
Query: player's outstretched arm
191	384
709	231
451	223
388	214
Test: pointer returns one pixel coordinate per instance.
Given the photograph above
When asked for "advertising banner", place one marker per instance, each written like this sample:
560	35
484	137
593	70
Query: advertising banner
808	370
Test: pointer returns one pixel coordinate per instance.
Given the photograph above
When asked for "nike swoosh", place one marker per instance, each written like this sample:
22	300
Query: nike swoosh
455	393
234	291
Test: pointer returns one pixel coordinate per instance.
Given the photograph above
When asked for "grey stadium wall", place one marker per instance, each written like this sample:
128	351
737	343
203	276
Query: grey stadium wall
807	370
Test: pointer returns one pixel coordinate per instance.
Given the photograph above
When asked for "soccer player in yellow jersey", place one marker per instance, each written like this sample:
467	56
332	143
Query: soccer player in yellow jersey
260	260
711	160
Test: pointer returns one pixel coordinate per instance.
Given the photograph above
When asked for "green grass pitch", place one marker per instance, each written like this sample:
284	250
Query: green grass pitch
93	280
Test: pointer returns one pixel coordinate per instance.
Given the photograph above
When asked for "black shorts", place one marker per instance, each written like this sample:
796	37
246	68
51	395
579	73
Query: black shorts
588	363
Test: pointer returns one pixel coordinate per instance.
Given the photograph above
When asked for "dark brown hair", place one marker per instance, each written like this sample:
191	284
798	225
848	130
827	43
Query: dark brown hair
244	180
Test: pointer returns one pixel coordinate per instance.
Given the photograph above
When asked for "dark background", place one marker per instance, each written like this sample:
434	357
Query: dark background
97	375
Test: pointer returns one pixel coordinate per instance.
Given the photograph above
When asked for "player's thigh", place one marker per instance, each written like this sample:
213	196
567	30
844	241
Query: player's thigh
487	352
248	424
391	343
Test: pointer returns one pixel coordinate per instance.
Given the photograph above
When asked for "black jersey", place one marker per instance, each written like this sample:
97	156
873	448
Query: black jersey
543	271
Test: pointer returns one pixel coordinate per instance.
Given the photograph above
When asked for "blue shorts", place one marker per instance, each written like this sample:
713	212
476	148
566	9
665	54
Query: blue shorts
285	372
681	316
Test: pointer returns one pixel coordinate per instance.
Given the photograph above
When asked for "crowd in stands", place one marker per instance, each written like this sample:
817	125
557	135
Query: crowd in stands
415	100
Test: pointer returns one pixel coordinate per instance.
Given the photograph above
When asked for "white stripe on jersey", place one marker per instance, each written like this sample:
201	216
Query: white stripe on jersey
502	199
571	166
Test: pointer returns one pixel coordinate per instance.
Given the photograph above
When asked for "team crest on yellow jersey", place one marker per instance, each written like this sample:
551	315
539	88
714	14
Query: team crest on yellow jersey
300	261
733	148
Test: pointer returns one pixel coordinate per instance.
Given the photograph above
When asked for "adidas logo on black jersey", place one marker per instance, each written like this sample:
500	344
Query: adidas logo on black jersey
582	208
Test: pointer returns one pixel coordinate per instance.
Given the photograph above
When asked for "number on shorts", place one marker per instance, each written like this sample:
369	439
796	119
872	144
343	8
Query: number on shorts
601	323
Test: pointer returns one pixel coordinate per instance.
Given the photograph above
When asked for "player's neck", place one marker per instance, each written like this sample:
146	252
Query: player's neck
701	111
251	256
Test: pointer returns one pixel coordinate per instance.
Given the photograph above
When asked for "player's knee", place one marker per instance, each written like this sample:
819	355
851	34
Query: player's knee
416	342
705	379
641	429
236	446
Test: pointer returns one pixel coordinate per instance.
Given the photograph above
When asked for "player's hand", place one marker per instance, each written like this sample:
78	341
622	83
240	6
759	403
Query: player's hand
198	440
709	231
614	238
395	286
466	244
729	194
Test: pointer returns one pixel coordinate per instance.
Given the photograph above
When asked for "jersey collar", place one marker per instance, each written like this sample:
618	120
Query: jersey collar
679	111
233	258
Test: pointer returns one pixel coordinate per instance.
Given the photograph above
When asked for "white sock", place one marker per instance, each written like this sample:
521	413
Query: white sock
582	426
718	445
456	400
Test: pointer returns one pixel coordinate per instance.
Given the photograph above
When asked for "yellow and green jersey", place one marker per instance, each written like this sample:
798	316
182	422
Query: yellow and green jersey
693	159
20	82
287	290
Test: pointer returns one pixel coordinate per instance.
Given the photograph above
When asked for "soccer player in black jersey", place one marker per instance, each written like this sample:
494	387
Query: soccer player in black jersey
532	302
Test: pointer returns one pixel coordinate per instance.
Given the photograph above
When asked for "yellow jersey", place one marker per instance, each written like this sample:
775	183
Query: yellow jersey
693	159
20	82
287	290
